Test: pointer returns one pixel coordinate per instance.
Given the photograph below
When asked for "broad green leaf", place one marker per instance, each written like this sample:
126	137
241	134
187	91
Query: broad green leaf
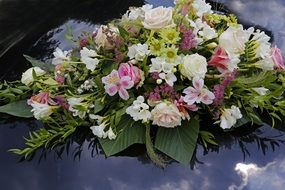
19	109
50	82
40	64
179	143
129	134
98	106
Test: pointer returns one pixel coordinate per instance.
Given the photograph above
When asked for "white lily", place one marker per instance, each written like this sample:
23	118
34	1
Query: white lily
41	111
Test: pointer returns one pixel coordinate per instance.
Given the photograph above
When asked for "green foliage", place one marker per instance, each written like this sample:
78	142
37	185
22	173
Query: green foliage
129	133
40	64
19	109
47	138
179	143
207	138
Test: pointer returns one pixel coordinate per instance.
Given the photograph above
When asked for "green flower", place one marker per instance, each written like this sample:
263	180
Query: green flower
169	35
170	53
156	47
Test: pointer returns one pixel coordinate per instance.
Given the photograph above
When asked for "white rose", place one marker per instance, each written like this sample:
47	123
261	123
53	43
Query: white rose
157	18
166	115
27	76
233	39
194	65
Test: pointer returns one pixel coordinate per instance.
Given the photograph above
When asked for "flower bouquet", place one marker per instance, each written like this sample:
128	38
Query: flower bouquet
151	77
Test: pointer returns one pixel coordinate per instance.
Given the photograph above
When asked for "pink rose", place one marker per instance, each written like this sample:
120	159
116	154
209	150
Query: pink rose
127	69
219	59
277	58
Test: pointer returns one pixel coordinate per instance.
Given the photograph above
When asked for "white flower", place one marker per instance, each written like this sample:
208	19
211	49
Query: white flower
166	115
73	107
138	51
266	64
194	65
201	7
137	13
41	111
111	135
261	90
233	39
98	130
157	18
139	110
169	78
60	56
27	76
207	32
160	64
97	118
264	47
229	117
88	58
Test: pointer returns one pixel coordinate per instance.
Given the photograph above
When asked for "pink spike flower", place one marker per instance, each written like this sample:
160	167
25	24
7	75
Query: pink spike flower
115	84
198	93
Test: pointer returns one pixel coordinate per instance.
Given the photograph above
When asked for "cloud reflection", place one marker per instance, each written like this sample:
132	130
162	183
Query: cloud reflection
271	176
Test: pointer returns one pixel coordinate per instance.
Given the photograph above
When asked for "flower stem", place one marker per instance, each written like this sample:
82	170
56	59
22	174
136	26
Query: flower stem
150	150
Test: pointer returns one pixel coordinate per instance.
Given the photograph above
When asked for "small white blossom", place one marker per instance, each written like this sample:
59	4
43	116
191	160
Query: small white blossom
229	117
138	51
88	57
139	110
98	130
201	7
75	102
60	56
41	111
169	78
261	90
264	47
111	135
159	64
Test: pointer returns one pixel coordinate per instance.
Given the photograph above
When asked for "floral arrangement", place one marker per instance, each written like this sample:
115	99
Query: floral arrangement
150	78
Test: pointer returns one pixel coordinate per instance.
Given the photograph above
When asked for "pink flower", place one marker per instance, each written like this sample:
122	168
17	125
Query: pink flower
219	59
42	98
127	69
184	108
198	93
277	58
60	79
114	83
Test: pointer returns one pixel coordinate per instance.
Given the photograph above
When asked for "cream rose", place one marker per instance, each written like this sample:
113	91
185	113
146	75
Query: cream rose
166	115
27	76
157	18
233	39
194	65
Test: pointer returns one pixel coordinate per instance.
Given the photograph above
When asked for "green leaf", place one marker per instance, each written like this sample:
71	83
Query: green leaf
50	82
98	106
128	135
179	143
40	64
123	32
19	109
